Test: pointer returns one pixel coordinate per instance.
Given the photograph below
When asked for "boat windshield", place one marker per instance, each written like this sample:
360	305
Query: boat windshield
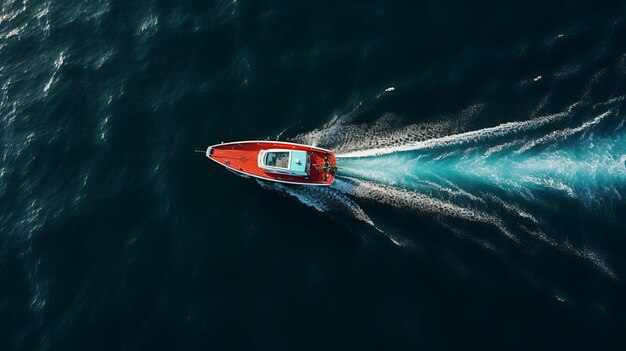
277	159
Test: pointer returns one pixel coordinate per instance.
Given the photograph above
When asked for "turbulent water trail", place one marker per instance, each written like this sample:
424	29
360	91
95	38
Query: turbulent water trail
509	177
326	199
588	172
458	139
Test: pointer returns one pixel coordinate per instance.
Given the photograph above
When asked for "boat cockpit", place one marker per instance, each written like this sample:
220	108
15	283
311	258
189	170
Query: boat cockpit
289	162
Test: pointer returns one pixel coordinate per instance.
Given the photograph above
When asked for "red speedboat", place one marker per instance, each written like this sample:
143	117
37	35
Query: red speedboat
277	161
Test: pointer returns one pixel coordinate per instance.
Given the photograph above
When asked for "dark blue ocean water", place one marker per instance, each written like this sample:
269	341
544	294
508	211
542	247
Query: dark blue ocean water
481	202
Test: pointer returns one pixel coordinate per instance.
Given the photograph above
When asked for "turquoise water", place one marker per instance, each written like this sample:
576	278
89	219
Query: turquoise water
480	203
573	161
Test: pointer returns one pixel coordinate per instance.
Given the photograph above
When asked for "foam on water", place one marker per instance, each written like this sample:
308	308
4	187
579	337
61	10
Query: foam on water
460	139
58	62
402	198
325	199
500	176
434	176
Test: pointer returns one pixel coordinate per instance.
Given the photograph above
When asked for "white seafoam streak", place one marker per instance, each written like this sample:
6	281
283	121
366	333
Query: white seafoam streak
403	198
462	138
597	165
326	199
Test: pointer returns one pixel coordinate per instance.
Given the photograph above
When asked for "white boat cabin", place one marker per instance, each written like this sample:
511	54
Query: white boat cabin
288	162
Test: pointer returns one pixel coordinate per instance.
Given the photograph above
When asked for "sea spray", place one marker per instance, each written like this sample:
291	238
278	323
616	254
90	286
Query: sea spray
505	177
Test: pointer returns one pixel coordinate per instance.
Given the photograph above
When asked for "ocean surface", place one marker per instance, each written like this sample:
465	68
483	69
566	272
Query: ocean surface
480	204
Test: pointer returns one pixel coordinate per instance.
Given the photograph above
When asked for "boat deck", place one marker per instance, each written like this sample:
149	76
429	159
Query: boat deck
242	157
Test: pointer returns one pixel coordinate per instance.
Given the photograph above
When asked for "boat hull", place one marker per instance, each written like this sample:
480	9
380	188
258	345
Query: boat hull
241	157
